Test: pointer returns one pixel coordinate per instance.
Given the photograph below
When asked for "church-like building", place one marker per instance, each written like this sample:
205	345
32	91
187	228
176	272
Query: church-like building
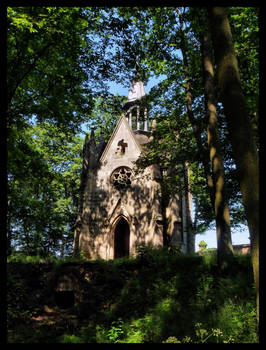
121	207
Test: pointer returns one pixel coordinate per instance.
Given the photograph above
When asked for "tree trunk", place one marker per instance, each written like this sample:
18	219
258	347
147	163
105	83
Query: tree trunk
85	165
239	127
9	236
188	203
222	215
201	150
224	245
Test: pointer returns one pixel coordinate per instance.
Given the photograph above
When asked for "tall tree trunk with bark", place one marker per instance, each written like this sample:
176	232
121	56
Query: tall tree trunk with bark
224	245
239	127
188	203
222	215
202	152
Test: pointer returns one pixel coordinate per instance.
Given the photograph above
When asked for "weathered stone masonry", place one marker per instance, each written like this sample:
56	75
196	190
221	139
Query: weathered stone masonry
120	207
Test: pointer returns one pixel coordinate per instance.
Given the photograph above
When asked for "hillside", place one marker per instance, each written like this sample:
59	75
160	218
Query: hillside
160	296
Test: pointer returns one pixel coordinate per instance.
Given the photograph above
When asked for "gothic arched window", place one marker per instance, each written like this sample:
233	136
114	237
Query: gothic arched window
121	177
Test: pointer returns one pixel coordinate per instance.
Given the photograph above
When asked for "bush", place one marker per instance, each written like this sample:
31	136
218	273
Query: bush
161	296
70	338
238	321
19	305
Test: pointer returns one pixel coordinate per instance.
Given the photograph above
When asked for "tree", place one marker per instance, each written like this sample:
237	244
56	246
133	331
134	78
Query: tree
162	56
106	113
57	63
244	28
157	45
215	175
44	86
43	190
203	247
224	243
159	49
44	76
239	126
65	56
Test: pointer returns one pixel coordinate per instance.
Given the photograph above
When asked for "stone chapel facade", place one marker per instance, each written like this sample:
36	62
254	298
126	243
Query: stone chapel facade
120	207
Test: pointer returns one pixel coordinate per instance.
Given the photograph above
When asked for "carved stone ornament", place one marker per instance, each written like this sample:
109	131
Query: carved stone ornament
121	178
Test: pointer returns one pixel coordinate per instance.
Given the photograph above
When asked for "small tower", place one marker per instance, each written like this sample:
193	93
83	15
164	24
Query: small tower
136	107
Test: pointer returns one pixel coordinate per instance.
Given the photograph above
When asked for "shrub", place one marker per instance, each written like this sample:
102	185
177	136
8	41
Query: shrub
160	296
238	321
70	338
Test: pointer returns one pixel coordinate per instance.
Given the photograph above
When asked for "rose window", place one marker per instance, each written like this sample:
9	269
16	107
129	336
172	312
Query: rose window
121	178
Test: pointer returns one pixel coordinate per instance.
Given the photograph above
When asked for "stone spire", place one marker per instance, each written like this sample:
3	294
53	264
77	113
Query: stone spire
89	165
136	91
101	143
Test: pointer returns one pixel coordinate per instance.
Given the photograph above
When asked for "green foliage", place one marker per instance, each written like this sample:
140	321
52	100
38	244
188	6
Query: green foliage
59	60
106	113
244	27
115	333
67	338
65	58
43	189
62	60
172	340
203	245
45	44
161	54
160	296
19	257
241	325
172	302
19	305
203	335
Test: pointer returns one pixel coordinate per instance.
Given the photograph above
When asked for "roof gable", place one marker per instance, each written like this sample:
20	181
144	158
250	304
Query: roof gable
122	135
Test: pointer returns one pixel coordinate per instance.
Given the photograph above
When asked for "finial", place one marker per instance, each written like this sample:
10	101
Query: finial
101	138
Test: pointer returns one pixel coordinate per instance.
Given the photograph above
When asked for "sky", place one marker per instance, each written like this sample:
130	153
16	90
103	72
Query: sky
117	88
238	237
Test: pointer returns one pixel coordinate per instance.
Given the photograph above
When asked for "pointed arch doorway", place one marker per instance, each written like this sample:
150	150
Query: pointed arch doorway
121	239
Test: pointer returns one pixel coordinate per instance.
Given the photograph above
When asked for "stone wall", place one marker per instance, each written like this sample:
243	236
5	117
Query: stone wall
139	204
107	199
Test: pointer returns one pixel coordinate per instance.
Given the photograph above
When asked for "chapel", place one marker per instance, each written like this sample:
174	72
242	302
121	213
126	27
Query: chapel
120	206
